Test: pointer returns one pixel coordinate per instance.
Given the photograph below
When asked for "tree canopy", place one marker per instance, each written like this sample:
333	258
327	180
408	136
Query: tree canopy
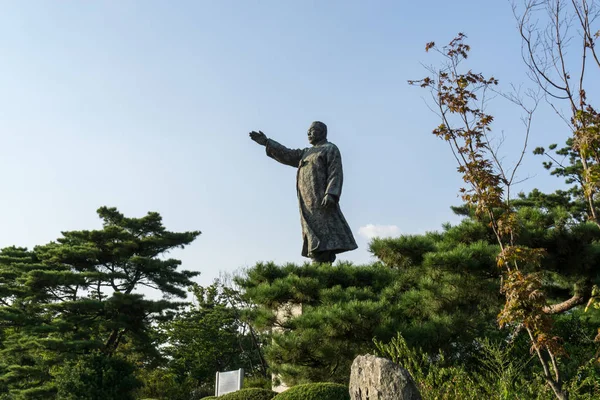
80	295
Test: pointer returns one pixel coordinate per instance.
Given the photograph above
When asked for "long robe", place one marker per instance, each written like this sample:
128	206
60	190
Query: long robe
319	173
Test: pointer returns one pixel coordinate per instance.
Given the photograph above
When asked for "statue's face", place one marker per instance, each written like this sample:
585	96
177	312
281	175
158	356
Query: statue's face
315	134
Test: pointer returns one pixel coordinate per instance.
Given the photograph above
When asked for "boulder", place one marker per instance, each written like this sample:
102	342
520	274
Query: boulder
375	378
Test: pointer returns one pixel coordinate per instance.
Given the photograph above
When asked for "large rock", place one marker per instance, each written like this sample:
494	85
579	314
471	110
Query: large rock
375	378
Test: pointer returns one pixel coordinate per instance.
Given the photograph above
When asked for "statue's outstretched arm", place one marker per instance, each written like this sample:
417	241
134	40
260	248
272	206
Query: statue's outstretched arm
259	137
278	151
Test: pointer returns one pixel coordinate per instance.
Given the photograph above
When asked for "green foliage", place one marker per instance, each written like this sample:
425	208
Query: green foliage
258	382
62	302
499	372
585	383
163	383
203	340
210	336
439	289
315	391
331	329
405	251
490	369
246	394
434	380
249	394
442	291
345	306
97	377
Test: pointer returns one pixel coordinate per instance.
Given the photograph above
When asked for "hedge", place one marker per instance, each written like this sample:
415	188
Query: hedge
315	391
245	394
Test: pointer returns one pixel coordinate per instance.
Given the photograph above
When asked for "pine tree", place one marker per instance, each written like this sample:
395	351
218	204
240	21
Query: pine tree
440	290
345	306
79	296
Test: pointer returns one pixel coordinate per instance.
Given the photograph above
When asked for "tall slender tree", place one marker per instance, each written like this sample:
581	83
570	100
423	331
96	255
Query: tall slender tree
460	98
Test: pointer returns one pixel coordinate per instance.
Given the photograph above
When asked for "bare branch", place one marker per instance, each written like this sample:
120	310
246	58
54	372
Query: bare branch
576	300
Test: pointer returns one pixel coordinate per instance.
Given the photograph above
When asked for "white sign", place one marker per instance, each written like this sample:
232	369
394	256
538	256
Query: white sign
229	381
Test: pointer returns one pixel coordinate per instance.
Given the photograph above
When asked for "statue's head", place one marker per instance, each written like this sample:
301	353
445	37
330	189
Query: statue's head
317	132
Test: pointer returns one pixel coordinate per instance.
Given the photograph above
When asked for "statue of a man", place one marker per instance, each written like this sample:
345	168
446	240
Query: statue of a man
325	231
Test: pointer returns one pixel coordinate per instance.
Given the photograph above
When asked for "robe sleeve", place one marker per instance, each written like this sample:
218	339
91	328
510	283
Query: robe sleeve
335	176
284	155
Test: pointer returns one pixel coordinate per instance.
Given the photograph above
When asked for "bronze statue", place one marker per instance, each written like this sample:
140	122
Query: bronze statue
325	231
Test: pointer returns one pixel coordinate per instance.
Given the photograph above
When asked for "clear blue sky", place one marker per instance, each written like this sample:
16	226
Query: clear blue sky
146	106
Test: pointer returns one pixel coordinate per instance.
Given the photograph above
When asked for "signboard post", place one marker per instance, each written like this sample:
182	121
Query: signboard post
229	381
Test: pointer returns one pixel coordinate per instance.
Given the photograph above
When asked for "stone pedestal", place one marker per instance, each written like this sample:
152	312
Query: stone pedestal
282	314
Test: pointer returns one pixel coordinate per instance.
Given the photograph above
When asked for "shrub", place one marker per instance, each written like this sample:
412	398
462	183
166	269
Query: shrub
163	383
315	391
97	377
258	382
246	394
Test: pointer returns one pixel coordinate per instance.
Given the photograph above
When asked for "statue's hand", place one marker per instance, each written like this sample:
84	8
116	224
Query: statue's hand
328	201
259	137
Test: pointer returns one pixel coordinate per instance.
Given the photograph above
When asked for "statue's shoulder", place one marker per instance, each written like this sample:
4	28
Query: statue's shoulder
323	148
331	147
